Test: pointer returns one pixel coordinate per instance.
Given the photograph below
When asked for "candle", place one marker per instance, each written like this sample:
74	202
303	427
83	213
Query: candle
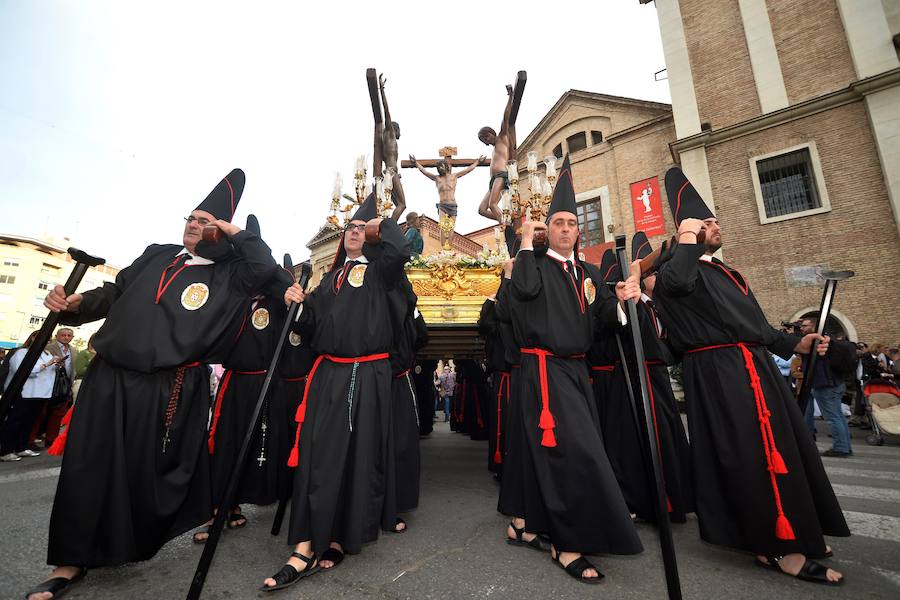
505	202
550	161
388	182
535	184
338	185
532	161
379	189
512	170
548	189
361	163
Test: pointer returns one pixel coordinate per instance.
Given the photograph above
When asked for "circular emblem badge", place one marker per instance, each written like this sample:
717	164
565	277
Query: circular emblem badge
590	292
260	318
194	296
418	369
294	339
356	276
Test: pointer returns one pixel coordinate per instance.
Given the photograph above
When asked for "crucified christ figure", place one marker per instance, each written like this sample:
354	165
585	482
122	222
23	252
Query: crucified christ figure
445	180
386	140
504	151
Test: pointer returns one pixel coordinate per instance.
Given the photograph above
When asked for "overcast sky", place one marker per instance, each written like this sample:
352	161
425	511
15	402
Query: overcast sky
118	119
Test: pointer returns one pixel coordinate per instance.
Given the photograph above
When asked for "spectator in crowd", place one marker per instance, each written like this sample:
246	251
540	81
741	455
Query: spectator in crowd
828	389
82	359
47	424
796	373
14	432
413	235
893	356
784	367
448	384
879	351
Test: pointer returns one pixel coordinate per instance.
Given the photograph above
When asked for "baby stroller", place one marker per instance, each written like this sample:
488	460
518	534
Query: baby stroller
882	401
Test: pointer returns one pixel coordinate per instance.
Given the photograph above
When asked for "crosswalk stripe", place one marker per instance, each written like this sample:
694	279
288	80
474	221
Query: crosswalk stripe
867	473
27	475
865	492
873	526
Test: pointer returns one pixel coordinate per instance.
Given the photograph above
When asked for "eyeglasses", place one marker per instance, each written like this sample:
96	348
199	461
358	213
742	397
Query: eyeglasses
202	221
360	228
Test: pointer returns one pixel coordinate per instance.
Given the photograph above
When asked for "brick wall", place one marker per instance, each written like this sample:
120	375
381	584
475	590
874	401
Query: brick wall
812	47
720	62
858	234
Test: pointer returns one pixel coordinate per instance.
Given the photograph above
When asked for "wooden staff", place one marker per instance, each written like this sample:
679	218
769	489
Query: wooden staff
83	262
215	530
667	545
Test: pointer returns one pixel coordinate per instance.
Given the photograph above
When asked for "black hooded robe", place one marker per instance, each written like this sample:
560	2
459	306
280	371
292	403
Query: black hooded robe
135	472
744	498
567	486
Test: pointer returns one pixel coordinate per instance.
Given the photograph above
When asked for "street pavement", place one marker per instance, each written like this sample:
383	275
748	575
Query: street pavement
455	548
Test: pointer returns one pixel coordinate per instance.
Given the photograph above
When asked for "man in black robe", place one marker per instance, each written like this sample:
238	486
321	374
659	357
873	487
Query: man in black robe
498	369
135	472
602	358
344	487
566	486
760	484
626	440
423	376
245	371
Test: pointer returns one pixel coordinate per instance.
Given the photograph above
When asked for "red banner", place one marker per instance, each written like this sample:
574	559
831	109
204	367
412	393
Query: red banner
647	206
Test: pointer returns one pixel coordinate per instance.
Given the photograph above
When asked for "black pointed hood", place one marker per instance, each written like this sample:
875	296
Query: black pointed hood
564	192
684	201
287	262
223	200
368	210
609	267
253	225
640	246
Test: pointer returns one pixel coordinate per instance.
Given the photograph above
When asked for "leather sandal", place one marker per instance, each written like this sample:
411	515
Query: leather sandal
577	567
288	575
57	586
236	520
333	555
397	523
535	544
204	530
812	571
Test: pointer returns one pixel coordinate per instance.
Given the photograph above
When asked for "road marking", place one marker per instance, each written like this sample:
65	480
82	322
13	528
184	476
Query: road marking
892	576
27	475
865	492
850	472
873	526
402	573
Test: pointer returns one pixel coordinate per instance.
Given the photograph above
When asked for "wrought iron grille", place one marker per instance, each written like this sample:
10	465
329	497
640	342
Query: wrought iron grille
787	183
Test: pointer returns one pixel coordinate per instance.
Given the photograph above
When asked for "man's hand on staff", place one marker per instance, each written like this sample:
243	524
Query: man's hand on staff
630	289
294	294
806	344
57	301
528	230
508	268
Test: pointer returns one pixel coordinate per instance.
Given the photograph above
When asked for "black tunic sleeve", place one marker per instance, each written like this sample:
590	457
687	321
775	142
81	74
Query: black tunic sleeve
526	278
421	329
678	276
487	320
278	283
501	310
395	253
95	304
780	343
257	264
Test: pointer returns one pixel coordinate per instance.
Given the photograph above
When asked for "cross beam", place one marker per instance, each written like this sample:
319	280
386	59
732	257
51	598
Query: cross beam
454	162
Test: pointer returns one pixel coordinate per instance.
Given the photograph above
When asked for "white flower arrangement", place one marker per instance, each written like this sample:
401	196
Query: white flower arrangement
485	259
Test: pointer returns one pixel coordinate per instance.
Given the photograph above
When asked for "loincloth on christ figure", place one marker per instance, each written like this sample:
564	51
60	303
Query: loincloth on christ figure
447	208
504	175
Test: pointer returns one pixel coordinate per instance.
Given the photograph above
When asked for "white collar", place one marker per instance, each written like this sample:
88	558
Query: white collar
553	254
360	259
645	297
194	259
706	257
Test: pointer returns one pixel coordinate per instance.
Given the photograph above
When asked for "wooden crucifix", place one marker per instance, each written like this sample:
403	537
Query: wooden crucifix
445	180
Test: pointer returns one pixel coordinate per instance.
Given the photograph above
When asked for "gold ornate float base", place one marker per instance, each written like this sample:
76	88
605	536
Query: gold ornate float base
449	294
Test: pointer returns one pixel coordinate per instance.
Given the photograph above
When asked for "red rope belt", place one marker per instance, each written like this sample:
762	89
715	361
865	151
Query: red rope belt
300	416
504	379
603	368
293	379
547	423
226	379
774	461
403	374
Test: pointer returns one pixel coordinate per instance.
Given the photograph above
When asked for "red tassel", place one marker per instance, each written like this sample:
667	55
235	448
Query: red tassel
294	458
300	416
59	444
668	505
498	458
783	529
778	463
546	421
548	440
211	444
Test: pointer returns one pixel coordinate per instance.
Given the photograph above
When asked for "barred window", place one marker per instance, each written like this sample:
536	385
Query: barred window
43	285
590	223
7	279
36	320
788	184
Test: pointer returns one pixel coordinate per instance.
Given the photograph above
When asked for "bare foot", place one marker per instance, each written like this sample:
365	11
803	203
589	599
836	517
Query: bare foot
202	534
67	572
792	563
520	524
327	564
566	558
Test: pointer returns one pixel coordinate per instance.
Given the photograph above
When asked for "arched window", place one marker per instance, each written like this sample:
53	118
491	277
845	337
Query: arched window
577	142
557	152
596	138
